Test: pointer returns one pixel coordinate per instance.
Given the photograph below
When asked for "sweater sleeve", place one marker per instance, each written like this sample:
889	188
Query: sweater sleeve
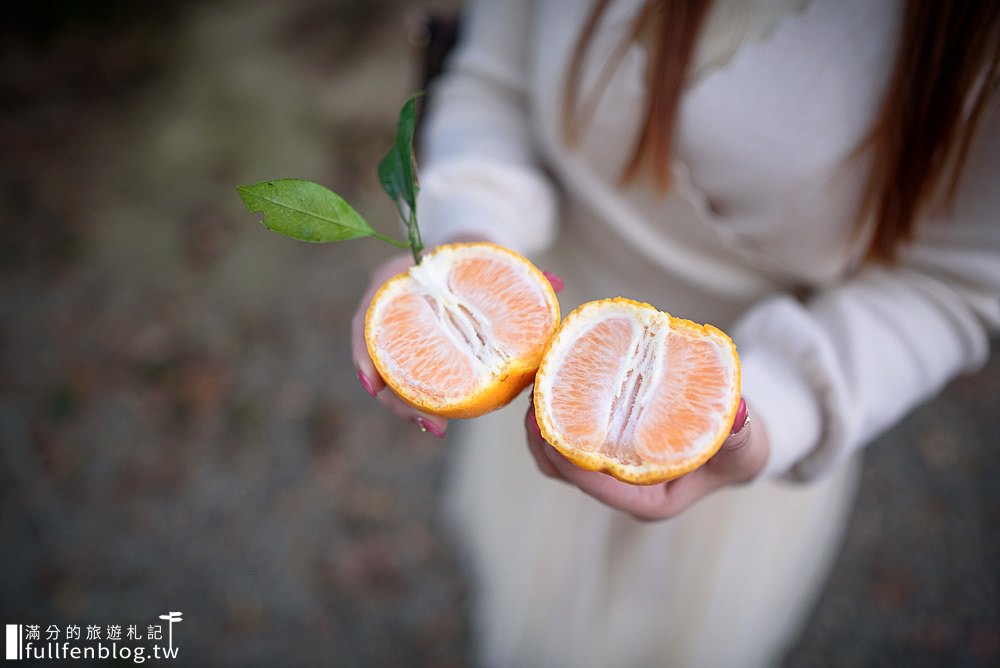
829	375
478	171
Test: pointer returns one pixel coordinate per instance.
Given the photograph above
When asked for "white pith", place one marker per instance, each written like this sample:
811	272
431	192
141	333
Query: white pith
461	321
638	377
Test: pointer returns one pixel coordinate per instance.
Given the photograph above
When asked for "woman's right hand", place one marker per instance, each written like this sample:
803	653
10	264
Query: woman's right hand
740	459
369	377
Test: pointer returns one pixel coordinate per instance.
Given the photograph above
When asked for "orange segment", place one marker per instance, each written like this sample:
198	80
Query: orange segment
499	294
586	382
414	340
635	392
461	333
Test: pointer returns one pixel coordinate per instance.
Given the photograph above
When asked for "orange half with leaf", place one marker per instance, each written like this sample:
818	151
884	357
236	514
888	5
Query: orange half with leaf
634	392
462	333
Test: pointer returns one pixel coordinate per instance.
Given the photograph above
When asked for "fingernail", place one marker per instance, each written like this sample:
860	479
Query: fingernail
557	282
534	426
740	420
365	383
428	426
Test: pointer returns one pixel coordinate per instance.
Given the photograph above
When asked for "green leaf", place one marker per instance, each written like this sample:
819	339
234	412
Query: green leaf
307	211
404	145
398	174
390	174
397	170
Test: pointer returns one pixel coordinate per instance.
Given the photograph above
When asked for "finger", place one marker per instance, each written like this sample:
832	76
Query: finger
645	502
740	434
432	424
681	493
368	376
733	463
738	460
744	453
536	444
555	280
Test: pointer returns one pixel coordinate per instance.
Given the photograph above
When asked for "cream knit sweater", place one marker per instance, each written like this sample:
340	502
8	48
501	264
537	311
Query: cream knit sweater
757	235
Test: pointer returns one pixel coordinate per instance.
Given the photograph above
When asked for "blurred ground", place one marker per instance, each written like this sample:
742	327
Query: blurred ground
180	424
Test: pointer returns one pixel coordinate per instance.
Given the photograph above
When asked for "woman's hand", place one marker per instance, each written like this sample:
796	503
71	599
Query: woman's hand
367	375
740	459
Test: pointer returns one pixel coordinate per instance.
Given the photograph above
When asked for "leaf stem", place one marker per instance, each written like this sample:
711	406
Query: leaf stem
395	242
413	234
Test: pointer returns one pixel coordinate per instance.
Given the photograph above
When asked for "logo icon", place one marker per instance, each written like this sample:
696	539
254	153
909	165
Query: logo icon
171	617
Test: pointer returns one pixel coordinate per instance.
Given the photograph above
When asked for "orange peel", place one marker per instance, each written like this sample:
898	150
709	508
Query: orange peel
461	333
637	393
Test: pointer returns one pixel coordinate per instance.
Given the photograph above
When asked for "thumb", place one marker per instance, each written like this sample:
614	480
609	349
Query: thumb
740	434
744	454
555	280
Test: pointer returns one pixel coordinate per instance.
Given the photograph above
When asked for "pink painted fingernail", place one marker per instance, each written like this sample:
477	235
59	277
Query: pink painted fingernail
740	420
365	383
428	426
534	426
557	282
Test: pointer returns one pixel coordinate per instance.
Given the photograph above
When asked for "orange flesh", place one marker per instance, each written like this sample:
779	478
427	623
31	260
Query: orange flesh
413	338
688	403
516	314
463	332
583	404
636	389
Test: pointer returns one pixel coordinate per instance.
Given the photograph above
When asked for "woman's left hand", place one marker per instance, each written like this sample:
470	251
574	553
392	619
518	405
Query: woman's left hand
740	459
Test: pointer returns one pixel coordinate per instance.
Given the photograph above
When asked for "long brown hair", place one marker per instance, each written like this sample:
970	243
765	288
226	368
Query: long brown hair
948	63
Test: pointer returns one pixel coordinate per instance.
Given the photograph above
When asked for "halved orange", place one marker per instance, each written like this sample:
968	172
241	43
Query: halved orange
637	393
461	333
